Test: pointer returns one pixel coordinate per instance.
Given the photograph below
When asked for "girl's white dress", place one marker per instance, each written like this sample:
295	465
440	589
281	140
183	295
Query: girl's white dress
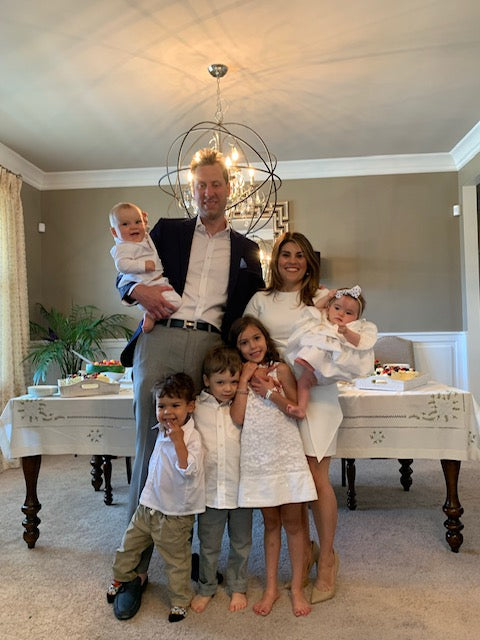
279	312
315	339
273	467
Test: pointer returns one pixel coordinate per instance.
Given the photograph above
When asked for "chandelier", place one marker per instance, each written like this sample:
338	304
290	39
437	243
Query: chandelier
251	167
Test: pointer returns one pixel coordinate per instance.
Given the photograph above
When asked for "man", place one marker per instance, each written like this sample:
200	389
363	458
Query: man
216	271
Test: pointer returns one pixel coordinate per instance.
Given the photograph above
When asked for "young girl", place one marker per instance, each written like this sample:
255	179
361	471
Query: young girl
331	342
274	473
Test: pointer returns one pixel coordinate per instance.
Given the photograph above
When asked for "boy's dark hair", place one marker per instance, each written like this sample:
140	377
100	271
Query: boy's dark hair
239	327
222	358
175	385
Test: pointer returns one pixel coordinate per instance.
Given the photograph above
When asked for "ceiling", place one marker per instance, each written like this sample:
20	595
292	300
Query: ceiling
108	84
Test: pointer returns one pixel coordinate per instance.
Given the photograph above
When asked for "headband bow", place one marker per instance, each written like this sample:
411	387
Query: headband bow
354	292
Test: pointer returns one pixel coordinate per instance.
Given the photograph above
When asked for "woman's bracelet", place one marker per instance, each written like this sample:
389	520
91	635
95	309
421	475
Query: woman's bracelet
243	391
268	393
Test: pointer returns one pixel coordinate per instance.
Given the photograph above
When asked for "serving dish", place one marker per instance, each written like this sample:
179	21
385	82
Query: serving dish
42	390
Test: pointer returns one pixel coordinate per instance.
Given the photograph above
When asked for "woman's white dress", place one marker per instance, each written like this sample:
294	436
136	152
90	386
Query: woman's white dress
273	467
279	312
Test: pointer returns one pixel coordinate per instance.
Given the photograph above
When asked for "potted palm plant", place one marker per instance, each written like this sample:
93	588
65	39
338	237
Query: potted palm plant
82	330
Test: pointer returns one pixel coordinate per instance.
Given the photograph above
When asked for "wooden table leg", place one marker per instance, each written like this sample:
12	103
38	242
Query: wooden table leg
31	469
351	493
452	507
107	474
96	472
406	473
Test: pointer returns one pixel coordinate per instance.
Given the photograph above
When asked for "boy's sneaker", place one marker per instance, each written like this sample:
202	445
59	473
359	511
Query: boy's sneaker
176	614
129	598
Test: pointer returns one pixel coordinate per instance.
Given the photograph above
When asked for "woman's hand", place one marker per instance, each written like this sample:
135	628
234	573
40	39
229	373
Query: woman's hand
262	382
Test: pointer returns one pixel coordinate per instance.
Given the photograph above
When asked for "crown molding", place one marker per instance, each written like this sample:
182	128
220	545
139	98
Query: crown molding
15	163
366	166
454	160
467	148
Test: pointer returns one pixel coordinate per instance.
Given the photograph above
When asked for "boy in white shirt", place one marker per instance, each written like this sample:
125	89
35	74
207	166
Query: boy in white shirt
174	492
221	442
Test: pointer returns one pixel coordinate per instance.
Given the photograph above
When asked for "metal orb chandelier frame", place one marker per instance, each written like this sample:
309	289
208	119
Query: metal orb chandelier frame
251	166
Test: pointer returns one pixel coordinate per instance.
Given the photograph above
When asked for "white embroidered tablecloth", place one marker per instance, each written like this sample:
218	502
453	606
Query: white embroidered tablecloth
56	425
431	422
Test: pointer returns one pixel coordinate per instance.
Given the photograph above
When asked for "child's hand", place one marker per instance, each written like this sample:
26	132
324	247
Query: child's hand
173	430
248	371
350	336
149	265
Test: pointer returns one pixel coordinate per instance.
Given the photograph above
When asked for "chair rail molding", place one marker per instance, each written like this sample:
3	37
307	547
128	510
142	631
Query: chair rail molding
443	355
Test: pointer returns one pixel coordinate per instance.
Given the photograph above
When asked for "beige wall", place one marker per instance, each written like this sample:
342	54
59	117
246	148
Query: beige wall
395	235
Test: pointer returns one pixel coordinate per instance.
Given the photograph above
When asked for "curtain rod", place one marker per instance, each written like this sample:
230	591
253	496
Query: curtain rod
17	175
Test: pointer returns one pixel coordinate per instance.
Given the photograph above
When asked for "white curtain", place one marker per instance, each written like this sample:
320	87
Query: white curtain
14	327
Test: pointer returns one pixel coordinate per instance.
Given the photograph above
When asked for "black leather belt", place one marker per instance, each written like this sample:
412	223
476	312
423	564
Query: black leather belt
188	324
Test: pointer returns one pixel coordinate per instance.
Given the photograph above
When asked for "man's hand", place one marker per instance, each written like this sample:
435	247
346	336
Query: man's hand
151	298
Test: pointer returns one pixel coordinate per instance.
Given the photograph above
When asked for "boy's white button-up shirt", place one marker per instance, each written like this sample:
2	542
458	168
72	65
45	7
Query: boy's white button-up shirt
221	443
170	489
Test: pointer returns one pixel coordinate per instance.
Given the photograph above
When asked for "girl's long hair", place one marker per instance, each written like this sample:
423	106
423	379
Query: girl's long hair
239	326
311	279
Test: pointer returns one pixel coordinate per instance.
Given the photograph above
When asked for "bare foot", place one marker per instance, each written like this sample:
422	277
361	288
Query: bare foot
148	323
300	606
238	601
199	603
264	606
304	364
295	411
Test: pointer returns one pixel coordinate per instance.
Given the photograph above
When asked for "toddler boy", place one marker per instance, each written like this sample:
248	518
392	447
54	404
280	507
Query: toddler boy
221	442
174	492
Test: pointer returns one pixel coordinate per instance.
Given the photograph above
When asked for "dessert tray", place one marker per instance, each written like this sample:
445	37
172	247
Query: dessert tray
87	385
392	377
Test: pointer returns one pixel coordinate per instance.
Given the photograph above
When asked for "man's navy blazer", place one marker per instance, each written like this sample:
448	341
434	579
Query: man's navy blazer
172	238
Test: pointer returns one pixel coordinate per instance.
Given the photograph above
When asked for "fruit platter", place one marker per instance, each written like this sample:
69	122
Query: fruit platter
392	377
89	384
113	366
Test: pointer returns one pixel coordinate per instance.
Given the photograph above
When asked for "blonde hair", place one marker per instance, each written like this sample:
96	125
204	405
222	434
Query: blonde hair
112	216
208	157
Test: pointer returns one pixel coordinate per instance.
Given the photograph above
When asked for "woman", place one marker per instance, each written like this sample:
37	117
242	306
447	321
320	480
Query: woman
294	278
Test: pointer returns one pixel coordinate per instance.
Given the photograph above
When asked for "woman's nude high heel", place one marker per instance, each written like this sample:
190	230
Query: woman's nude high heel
321	596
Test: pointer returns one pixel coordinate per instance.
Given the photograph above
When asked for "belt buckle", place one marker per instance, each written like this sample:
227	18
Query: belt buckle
189	324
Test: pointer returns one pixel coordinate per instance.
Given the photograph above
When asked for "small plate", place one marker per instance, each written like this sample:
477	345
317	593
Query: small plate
42	390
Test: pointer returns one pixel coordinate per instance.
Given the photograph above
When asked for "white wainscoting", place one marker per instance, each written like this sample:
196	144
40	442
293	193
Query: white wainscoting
441	354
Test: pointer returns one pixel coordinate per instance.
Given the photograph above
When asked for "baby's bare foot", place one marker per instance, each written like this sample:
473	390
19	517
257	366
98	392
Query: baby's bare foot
199	603
300	606
148	323
238	601
264	606
295	411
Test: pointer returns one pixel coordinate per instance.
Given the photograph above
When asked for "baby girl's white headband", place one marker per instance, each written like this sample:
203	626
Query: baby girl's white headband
354	292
